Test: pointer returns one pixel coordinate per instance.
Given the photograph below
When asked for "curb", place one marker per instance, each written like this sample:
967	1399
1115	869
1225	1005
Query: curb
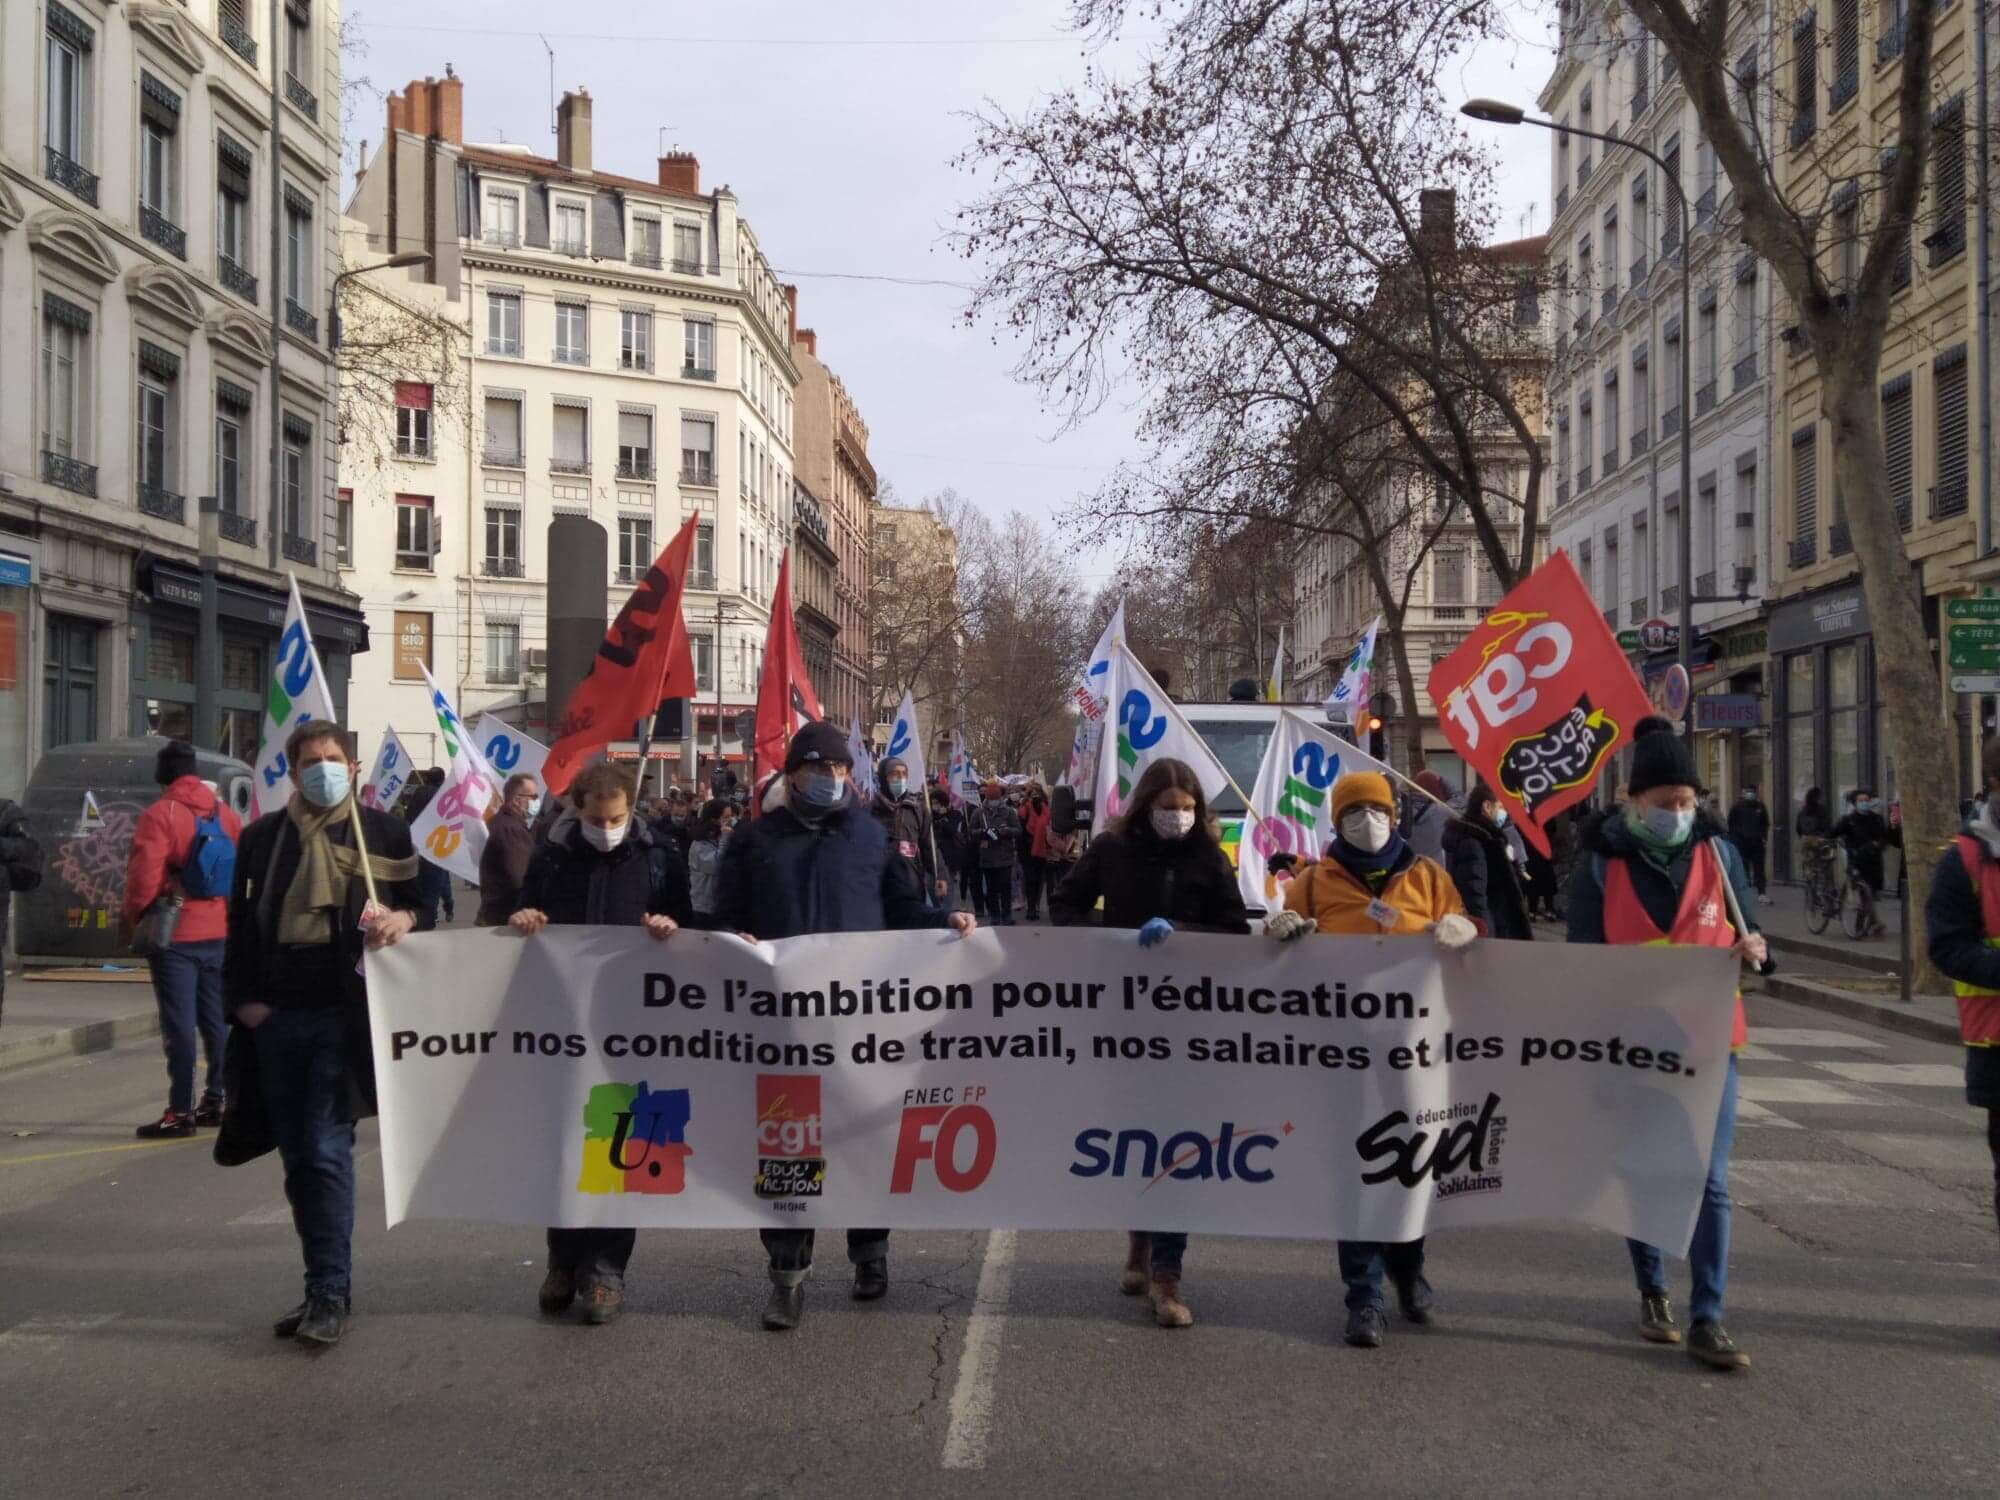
1890	1015
1885	960
74	1041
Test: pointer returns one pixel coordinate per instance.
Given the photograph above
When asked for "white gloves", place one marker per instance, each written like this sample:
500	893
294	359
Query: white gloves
1454	932
1287	925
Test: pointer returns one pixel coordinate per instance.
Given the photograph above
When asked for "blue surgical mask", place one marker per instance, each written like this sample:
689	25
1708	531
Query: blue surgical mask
324	782
1862	804
1498	815
534	808
897	785
1669	825
820	791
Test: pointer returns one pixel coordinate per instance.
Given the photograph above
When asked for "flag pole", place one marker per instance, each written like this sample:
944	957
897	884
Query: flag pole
361	844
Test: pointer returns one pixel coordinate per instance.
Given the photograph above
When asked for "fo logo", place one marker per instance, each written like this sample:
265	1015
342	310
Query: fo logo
1463	1156
790	1151
952	1131
1232	1154
634	1140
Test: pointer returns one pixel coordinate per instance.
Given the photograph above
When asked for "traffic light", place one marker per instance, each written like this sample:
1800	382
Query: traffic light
1373	744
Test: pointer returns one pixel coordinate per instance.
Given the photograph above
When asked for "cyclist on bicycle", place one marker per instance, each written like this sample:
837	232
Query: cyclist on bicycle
1863	833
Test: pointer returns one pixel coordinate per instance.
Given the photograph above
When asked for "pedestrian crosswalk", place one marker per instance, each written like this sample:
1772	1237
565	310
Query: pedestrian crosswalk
1794	1068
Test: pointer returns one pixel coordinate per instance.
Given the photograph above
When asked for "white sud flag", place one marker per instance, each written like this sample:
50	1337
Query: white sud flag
451	830
1142	725
1350	694
1291	807
298	692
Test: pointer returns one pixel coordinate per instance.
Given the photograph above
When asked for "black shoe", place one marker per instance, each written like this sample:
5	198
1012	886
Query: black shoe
1415	1300
169	1126
558	1290
1711	1344
324	1321
602	1301
786	1307
1656	1319
209	1111
871	1280
288	1325
1365	1327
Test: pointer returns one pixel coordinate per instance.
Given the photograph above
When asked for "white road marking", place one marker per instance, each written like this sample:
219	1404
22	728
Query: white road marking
277	1213
1750	1113
46	1333
1904	1075
971	1429
1811	1184
1751	1052
1794	1036
1797	1091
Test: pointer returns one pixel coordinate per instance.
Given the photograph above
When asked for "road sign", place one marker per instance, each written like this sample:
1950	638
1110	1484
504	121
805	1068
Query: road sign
1674	693
1975	682
1972	645
1982	608
1658	635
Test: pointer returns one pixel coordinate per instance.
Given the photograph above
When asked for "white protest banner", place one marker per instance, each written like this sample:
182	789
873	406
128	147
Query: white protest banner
906	742
962	785
298	692
1292	803
861	771
1350	694
1371	1088
1088	699
1142	725
506	750
451	830
390	775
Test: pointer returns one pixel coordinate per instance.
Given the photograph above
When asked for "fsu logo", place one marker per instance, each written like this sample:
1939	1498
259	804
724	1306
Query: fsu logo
635	1140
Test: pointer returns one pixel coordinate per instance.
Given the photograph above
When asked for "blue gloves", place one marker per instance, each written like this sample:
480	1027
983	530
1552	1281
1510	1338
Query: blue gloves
1154	932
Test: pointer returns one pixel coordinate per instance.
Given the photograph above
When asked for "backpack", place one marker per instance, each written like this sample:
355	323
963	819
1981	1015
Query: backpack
210	868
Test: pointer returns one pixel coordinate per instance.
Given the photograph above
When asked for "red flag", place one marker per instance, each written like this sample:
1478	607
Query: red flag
785	696
1538	696
644	659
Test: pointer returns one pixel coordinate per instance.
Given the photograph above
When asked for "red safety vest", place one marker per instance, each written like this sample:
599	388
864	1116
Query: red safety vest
1979	1009
1702	921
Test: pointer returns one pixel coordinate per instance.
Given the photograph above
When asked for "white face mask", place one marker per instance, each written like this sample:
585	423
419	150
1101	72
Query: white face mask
604	840
1366	828
1173	825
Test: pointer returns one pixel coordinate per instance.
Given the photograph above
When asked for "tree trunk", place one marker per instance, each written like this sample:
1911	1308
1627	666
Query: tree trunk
1920	734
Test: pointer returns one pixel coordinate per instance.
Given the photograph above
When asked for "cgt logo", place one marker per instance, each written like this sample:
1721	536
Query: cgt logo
1463	1156
635	1140
952	1131
791	1161
1230	1155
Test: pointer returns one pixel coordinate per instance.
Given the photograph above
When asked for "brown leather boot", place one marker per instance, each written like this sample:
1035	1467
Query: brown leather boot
1138	1265
1168	1309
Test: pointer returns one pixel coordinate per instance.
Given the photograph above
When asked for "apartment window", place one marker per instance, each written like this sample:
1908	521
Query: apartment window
1805	494
1642	238
69	43
65	347
635	547
343	528
415	536
1449	574
232	217
1805	77
1642	399
687	247
1562	454
1948	396
299	247
1898	450
1611	254
1743	312
572	333
503	323
635	444
159	124
1610	420
1846	53
1614	577
298	39
1706	349
698	349
570	436
1527	303
1947	236
503	431
646	243
698	450
569	230
1704	536
503	651
1672	209
1642	70
1586	432
704	663
503	219
635	340
413	419
295	466
1670	392
159	378
1642	562
503	541
701	572
1847	237
232	443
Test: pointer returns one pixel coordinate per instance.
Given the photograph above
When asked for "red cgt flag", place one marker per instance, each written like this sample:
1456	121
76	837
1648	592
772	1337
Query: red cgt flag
644	659
785	696
1538	696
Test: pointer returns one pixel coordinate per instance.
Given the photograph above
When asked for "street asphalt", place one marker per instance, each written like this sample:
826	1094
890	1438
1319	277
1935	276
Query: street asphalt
138	1282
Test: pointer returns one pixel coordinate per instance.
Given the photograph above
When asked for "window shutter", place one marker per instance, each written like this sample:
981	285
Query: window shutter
162	364
232	167
1947	236
1897	452
1948	394
1805	485
159	105
231	395
413	394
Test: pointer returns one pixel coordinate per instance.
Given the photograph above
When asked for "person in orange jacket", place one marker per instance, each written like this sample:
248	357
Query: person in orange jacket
1372	883
187	974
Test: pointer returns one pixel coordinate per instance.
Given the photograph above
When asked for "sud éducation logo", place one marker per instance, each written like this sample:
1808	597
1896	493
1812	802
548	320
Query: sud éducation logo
634	1140
791	1152
1233	1154
1462	1157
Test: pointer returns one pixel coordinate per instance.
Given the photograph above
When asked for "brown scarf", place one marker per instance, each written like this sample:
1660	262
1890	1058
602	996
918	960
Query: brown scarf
319	885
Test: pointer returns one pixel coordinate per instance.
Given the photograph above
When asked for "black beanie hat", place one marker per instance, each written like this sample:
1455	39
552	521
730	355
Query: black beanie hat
176	760
1659	757
819	742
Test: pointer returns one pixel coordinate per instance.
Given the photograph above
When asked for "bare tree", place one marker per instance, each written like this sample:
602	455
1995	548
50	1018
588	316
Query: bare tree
390	337
920	603
1024	647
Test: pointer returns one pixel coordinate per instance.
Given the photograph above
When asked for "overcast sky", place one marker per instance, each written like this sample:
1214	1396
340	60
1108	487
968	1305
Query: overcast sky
835	126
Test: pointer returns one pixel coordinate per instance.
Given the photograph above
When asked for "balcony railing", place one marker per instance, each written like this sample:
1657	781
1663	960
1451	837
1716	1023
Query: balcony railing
1638	270
499	674
1704	206
69	473
564	354
301	96
1670	236
697	372
1745	371
71	176
1670	598
1641	441
301	549
1610	460
504	567
500	239
300	321
510	348
1610	300
1804	551
646	259
503	458
635	359
169	236
1582	478
699	474
235	278
1636	611
237	38
416	562
162	504
1704	397
1582	171
1704	584
1670	422
1562	492
686	267
1844	88
702	581
1889	46
569	466
635	468
236	527
576	248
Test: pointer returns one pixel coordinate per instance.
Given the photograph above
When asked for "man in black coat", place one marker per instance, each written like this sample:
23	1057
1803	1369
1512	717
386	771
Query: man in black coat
21	860
299	917
1750	832
605	868
817	862
905	815
510	845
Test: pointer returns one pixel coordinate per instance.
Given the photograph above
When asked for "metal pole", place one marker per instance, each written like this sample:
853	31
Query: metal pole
716	659
277	218
208	645
1686	564
1985	311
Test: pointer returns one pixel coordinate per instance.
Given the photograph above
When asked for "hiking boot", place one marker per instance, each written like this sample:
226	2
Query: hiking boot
209	1112
1711	1344
1656	1319
1415	1300
602	1301
871	1280
786	1306
324	1321
1365	1326
1138	1265
1168	1309
558	1290
169	1126
288	1325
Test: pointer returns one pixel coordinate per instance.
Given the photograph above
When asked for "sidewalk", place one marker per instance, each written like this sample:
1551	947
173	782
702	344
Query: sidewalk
1784	926
47	1018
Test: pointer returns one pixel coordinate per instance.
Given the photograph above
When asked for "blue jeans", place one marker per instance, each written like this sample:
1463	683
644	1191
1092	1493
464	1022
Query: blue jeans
300	1060
187	986
1708	1256
1363	1261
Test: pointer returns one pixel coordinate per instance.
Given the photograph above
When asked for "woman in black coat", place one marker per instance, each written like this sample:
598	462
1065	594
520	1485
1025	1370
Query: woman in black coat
1482	866
1158	869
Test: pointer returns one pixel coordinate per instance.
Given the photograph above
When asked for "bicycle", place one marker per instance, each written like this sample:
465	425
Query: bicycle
1823	889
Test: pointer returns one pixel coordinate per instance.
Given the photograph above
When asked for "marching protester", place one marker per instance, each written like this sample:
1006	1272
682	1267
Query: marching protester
904	813
1035	860
707	836
1426	818
1485	868
182	862
948	833
1371	883
1661	871
606	869
299	916
817	862
510	844
1158	870
433	880
1962	934
1750	832
993	834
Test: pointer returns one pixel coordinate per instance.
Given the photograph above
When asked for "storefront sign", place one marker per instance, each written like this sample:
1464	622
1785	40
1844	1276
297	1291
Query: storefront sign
1628	640
1658	635
16	572
170	590
1835	614
1729	711
413	645
1741	645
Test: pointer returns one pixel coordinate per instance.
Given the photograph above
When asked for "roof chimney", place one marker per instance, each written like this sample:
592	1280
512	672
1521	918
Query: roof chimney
430	107
573	131
792	311
680	172
806	339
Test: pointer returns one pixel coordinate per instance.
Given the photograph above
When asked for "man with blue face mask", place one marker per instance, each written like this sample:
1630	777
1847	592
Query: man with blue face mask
816	861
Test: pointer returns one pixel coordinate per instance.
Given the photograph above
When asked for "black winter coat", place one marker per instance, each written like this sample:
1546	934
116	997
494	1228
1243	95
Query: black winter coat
1188	881
785	876
574	885
1489	883
1749	824
993	834
20	857
908	827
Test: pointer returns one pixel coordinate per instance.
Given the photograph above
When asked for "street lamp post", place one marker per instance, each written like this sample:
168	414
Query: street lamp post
393	263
